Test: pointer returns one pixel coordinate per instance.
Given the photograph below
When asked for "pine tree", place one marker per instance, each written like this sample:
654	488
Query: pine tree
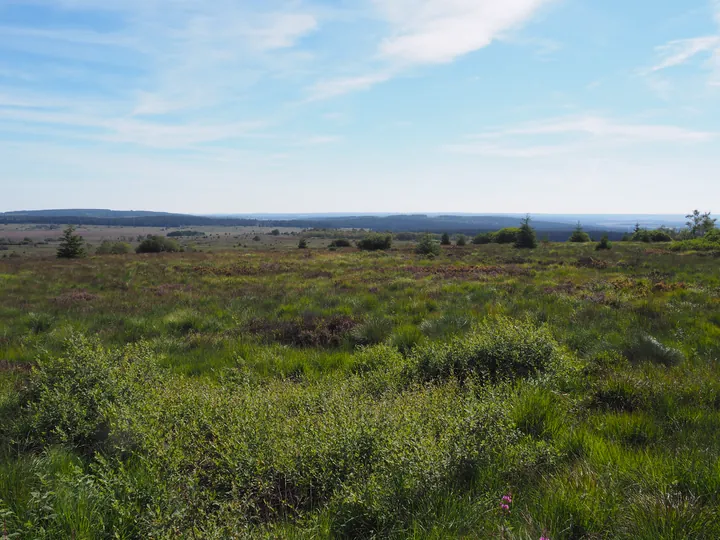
461	240
445	240
526	236
72	245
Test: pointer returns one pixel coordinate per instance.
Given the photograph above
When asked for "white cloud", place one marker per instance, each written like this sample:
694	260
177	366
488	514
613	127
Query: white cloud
680	51
425	32
566	135
439	31
336	87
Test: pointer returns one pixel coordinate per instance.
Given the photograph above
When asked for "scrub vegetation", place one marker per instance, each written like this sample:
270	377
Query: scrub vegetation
391	391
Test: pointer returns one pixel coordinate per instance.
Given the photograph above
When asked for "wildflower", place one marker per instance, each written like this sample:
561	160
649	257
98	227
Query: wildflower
507	499
505	507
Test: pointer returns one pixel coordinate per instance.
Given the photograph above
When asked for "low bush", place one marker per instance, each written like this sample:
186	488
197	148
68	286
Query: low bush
499	349
74	397
507	235
428	246
482	238
375	242
158	244
340	243
113	248
177	234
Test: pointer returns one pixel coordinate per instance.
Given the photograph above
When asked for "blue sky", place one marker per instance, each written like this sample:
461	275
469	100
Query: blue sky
573	106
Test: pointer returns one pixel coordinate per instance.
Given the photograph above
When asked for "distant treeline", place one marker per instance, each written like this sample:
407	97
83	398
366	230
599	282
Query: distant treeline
469	225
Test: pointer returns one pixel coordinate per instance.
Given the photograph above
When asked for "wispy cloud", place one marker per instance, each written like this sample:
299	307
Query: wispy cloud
336	87
179	67
426	32
439	31
566	135
681	51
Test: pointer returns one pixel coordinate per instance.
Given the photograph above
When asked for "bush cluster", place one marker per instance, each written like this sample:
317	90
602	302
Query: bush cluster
158	244
375	242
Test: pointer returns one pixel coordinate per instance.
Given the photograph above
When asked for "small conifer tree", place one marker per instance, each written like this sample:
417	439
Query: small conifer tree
72	246
461	240
526	235
445	240
302	244
604	243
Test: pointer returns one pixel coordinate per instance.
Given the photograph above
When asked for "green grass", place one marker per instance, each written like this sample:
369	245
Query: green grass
282	393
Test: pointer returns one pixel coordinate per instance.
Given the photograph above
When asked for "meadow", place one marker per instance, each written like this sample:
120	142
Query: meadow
250	389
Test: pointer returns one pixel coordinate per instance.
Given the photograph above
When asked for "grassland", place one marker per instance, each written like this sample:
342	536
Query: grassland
270	392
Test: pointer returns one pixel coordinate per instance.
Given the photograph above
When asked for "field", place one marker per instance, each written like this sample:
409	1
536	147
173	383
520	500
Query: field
272	392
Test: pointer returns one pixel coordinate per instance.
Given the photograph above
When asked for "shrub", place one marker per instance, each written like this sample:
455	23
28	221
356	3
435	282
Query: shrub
71	245
113	248
275	232
375	242
525	237
176	234
508	235
461	240
499	349
709	242
427	246
256	238
482	238
302	244
340	243
73	397
157	244
604	243
445	240
659	235
579	236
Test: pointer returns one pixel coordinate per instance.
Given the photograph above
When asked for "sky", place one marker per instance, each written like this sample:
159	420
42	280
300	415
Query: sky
241	106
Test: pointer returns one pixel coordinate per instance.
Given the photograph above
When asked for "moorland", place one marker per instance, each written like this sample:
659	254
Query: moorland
248	388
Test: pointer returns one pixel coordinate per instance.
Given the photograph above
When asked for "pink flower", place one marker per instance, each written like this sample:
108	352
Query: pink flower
505	507
507	499
544	538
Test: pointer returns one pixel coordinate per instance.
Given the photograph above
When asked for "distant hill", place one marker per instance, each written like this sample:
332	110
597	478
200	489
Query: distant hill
87	213
556	227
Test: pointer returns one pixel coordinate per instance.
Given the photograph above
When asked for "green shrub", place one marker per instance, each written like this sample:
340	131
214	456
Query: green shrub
375	242
302	244
113	248
427	245
482	238
461	240
499	349
74	397
604	243
177	234
508	235
445	240
660	236
157	244
340	243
